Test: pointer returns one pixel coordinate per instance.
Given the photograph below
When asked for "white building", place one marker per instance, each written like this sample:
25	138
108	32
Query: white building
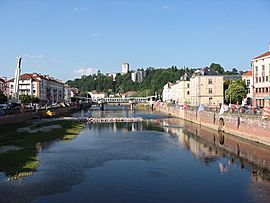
125	68
67	93
166	93
97	95
44	87
184	89
138	75
178	92
248	78
171	92
261	77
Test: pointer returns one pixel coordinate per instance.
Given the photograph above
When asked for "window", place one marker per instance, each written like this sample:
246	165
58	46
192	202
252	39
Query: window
187	92
266	89
210	91
210	81
248	81
260	79
187	85
263	79
260	90
256	79
256	90
266	78
256	69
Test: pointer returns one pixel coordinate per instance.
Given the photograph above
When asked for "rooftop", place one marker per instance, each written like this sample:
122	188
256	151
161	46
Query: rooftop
35	77
206	71
248	73
263	55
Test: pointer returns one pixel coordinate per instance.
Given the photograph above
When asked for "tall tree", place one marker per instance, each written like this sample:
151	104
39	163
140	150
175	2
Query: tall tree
217	67
236	92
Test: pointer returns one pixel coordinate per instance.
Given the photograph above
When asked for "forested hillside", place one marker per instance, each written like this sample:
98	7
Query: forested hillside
152	84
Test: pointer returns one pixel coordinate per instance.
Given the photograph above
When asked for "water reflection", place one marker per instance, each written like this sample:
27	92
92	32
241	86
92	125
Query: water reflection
209	145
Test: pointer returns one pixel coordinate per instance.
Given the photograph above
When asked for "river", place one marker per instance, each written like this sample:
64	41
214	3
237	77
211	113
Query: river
159	160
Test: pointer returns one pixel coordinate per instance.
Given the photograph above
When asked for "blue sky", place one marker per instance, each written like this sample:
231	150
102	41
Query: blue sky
69	38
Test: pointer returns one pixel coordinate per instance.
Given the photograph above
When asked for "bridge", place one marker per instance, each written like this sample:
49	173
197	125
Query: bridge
119	100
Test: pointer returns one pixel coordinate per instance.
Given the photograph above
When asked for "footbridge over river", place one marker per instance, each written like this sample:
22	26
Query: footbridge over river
124	100
118	100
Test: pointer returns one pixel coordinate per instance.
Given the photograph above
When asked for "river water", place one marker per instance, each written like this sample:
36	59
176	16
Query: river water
159	160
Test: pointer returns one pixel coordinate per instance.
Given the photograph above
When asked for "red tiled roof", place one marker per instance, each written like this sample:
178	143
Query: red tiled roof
35	77
25	77
248	73
263	55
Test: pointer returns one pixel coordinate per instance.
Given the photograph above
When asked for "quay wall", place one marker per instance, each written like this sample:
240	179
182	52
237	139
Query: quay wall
20	117
249	127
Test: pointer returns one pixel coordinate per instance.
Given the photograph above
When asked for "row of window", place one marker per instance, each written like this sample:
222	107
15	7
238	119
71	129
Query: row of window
263	68
262	79
262	90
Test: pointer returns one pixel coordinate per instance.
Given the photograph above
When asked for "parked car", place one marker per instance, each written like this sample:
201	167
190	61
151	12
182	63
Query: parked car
4	106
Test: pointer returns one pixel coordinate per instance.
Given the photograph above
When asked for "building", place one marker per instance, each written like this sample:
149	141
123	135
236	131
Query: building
125	68
3	85
184	89
206	87
178	92
138	75
67	93
44	87
166	93
95	95
261	77
248	78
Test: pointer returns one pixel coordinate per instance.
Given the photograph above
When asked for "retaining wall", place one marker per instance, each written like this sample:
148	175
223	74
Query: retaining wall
20	117
246	126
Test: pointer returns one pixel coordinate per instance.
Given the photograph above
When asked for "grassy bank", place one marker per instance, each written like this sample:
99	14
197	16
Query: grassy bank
24	161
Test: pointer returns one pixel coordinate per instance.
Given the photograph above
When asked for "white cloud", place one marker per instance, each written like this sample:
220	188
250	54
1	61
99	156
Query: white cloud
81	9
28	57
85	71
95	34
165	7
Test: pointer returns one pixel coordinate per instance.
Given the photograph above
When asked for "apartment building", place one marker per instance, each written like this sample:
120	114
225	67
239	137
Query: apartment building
138	75
206	87
125	68
261	77
44	87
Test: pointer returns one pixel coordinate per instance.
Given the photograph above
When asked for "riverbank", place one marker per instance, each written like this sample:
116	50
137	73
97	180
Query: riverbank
252	128
21	117
21	142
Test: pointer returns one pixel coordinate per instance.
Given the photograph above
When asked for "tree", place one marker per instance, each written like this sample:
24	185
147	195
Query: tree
3	98
217	67
34	99
25	99
236	92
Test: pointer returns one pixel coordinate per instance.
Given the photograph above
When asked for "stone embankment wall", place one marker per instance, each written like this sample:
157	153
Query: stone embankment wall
246	126
20	117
